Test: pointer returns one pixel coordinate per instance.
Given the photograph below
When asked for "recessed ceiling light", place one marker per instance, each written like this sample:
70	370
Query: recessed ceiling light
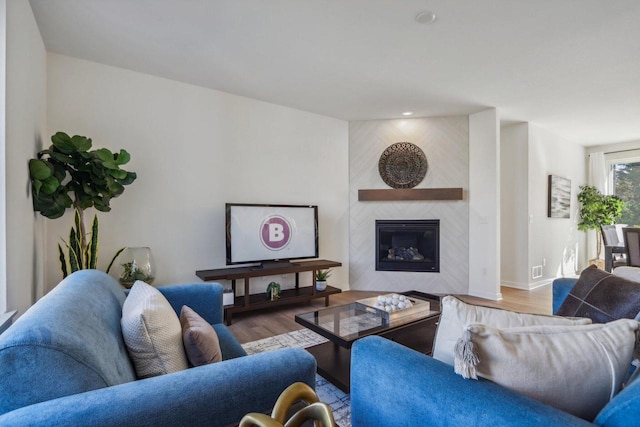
425	17
407	113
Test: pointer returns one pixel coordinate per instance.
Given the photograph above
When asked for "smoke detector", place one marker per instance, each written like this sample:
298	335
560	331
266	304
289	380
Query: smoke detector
425	17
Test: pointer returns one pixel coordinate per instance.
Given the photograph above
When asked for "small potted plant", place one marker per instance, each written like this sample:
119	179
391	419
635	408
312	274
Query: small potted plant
321	279
273	291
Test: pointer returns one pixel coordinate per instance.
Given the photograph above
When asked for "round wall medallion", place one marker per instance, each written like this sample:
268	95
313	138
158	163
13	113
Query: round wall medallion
403	165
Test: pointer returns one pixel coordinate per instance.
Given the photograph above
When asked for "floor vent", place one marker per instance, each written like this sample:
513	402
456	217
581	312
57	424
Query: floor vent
536	272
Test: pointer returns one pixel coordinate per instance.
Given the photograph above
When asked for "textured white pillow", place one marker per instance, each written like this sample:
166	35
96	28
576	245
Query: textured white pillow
152	332
577	369
456	315
629	273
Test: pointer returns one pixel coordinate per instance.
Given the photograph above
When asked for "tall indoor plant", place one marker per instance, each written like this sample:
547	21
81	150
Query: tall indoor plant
69	174
596	210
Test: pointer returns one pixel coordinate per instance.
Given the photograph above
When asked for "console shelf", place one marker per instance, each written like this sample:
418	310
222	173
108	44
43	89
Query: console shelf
248	302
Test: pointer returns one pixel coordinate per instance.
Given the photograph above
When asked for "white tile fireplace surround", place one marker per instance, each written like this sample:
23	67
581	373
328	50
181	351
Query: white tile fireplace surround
445	142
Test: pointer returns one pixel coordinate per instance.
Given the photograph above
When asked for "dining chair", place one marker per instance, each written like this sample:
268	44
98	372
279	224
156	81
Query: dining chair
632	245
610	235
614	252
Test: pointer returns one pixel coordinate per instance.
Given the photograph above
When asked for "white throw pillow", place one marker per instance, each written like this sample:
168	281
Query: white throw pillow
456	315
577	369
629	273
152	332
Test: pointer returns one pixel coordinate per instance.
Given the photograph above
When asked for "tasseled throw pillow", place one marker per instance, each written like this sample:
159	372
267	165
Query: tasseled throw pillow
456	315
577	369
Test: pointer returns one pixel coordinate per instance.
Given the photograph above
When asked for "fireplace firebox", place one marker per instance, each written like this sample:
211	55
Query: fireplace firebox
408	245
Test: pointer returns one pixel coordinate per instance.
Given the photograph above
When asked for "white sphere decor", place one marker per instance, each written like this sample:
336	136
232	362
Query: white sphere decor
393	302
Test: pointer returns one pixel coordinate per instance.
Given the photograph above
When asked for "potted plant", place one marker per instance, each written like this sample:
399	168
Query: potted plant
321	279
273	291
596	210
70	175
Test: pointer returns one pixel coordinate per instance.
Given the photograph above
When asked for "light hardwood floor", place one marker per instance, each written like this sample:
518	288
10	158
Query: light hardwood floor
256	325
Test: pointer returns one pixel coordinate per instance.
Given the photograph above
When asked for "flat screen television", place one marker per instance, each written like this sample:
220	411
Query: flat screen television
270	234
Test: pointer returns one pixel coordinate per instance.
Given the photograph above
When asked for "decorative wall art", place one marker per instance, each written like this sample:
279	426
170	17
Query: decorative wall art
402	165
559	197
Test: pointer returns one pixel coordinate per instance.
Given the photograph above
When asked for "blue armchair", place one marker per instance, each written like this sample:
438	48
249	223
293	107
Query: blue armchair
394	385
64	362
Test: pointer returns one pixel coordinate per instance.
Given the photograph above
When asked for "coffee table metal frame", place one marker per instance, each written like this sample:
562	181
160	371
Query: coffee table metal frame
343	325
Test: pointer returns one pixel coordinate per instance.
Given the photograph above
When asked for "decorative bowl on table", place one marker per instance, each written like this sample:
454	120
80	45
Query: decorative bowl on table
393	306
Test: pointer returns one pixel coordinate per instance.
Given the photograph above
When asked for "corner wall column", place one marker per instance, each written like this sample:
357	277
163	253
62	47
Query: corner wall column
484	204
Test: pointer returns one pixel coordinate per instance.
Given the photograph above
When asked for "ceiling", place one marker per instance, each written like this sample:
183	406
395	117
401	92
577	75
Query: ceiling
570	66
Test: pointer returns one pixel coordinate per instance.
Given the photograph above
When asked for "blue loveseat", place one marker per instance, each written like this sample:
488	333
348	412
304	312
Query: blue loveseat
392	385
64	362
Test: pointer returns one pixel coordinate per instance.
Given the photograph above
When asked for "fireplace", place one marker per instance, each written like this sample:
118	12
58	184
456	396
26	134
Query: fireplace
408	245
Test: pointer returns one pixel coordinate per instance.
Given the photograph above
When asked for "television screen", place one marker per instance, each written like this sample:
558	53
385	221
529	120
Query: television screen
257	233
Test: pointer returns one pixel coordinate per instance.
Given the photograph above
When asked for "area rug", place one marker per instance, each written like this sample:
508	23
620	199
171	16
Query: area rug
327	392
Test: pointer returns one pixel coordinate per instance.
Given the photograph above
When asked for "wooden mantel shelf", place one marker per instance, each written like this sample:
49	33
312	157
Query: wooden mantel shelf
410	194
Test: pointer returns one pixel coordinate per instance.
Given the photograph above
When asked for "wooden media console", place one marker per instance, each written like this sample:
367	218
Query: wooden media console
251	302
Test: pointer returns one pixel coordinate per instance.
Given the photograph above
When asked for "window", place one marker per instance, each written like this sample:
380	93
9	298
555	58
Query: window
624	182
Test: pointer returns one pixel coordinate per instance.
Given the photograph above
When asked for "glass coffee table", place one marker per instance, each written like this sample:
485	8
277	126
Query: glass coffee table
343	325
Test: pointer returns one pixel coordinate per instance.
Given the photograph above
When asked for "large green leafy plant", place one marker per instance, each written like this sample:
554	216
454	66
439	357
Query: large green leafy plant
596	210
69	174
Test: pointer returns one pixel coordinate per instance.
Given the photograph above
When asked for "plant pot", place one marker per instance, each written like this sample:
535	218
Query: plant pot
321	285
598	262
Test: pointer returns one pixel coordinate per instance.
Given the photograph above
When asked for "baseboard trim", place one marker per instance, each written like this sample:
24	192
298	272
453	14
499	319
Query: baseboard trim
527	286
515	285
487	295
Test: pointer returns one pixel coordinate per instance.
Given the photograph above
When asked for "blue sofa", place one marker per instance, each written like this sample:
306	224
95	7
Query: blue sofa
392	385
64	362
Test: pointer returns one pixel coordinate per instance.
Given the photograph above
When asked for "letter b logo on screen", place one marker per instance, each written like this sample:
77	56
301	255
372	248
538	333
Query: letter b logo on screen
275	233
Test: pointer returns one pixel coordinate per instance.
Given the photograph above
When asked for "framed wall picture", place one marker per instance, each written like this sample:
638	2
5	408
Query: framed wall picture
559	197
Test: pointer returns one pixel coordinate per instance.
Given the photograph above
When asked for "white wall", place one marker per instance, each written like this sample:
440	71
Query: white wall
445	142
484	205
25	127
3	159
514	205
555	242
193	150
529	154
